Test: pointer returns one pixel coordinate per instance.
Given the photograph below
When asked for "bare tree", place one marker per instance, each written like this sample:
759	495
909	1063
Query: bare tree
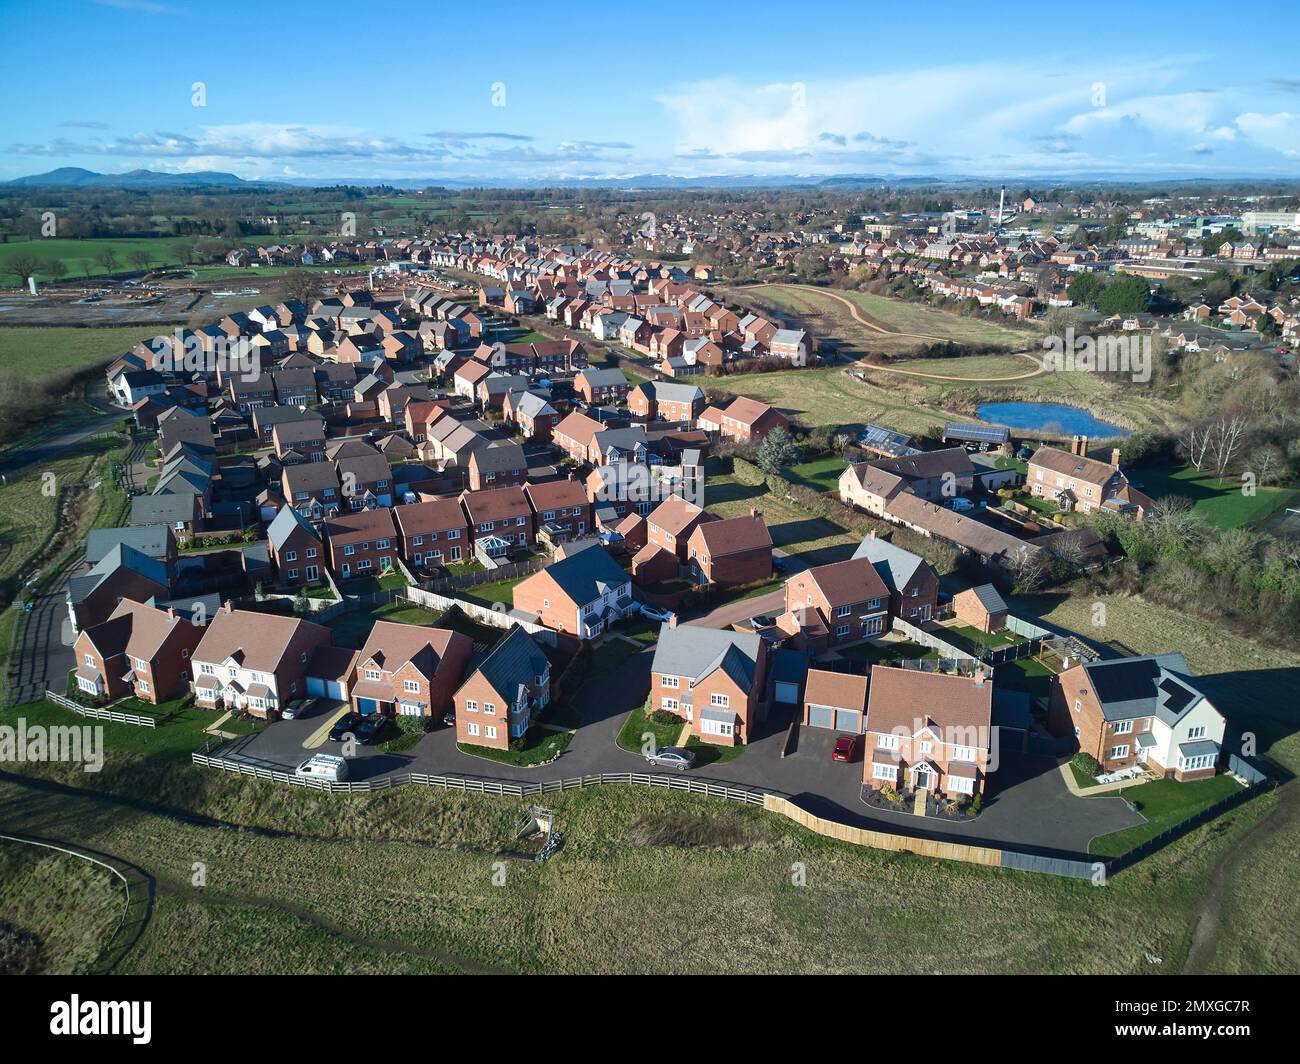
22	264
1225	441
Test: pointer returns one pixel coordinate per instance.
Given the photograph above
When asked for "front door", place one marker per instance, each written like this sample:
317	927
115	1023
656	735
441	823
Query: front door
925	612
923	780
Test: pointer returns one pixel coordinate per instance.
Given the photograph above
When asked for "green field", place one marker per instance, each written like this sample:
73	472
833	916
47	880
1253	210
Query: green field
820	474
33	352
1220	502
81	257
817	540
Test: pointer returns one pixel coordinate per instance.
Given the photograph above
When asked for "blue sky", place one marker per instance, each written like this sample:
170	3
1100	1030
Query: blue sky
499	91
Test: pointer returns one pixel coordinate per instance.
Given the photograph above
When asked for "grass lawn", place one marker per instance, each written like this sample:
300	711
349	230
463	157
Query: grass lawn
1027	675
708	754
39	351
1220	502
887	653
368	585
537	747
821	474
180	729
352	627
1164	803
496	591
991	640
639	722
816	540
81	256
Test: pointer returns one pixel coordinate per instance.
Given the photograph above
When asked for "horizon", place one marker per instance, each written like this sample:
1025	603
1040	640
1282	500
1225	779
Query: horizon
1051	100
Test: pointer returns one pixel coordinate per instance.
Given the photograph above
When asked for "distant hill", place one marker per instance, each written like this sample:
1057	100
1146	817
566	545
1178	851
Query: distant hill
78	177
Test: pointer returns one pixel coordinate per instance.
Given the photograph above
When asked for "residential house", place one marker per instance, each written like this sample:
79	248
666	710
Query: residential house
1074	481
498	465
713	679
842	602
601	387
312	488
744	420
737	550
409	670
361	544
138	651
560	508
665	401
254	662
928	731
582	594
432	533
501	515
499	700
912	583
296	551
1139	712
122	573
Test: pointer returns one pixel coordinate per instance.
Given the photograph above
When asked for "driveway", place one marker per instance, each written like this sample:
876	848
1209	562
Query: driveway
43	654
1028	805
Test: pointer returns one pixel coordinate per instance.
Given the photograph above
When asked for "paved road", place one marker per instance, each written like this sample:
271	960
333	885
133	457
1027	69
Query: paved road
46	450
725	616
43	655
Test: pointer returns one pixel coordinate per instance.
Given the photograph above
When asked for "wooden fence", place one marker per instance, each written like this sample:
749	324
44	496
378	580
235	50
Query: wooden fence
880	840
100	714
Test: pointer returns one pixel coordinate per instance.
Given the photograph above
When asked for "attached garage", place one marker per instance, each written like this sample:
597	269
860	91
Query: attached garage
367	706
848	720
319	687
821	717
788	670
329	672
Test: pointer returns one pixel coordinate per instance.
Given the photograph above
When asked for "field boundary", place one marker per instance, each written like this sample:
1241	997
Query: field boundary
100	714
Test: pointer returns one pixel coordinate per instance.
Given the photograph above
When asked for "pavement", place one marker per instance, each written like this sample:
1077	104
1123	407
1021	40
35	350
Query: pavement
43	653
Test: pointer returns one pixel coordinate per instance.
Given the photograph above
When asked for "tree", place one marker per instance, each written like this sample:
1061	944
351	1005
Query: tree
776	451
107	259
304	286
1084	290
22	265
54	268
140	259
1127	294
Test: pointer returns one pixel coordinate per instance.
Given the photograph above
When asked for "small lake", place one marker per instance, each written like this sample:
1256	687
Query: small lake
1049	418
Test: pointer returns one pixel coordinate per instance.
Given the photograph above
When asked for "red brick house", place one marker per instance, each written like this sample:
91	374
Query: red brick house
743	420
499	699
913	584
927	731
581	594
432	533
501	513
734	551
665	401
409	670
562	503
713	679
601	387
671	524
140	651
361	544
847	600
296	551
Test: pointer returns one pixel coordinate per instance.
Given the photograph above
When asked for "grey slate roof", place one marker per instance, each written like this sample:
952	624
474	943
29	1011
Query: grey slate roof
512	663
688	650
283	525
990	599
150	509
895	565
150	540
118	557
587	575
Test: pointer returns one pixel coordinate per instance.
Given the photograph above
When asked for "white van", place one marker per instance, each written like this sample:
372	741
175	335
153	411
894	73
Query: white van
323	767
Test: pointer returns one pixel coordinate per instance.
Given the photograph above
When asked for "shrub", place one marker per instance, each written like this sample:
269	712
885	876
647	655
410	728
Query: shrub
662	716
1086	763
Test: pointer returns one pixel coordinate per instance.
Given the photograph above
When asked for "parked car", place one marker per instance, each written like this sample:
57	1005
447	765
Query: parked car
960	505
449	718
778	564
323	767
846	748
371	729
295	709
654	613
677	757
345	725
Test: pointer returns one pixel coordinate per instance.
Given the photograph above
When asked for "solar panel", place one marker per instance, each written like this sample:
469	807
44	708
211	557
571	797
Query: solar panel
979	433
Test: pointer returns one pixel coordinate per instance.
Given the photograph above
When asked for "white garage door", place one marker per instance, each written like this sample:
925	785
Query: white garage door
820	716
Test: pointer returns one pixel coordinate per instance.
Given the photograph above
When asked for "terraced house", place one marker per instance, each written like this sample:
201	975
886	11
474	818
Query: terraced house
361	544
710	678
409	670
254	661
432	533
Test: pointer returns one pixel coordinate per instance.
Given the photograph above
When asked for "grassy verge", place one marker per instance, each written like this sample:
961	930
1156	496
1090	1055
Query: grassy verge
537	747
639	722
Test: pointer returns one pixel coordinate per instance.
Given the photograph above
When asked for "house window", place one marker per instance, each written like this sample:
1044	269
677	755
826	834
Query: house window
961	784
372	674
490	708
1119	751
411	686
490	732
1123	727
843	611
90	661
884	772
669	681
292	574
887	742
1200	761
472	729
1077	705
720	700
670	704
924	746
471	706
349	550
291	555
1197	732
842	630
963	753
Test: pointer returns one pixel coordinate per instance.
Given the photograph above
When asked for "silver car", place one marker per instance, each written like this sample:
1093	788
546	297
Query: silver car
677	757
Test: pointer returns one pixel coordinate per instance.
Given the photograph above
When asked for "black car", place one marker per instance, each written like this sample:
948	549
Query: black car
345	724
371	729
449	718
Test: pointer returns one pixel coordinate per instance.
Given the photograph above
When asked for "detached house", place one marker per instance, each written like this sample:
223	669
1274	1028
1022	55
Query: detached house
913	584
712	679
409	670
734	551
665	401
582	594
838	603
744	420
1076	482
296	551
140	651
1143	712
927	731
254	662
601	387
499	699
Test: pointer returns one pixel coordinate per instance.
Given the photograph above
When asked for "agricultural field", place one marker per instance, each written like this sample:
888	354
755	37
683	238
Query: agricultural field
33	352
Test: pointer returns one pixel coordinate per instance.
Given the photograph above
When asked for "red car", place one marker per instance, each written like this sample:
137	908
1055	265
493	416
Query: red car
846	748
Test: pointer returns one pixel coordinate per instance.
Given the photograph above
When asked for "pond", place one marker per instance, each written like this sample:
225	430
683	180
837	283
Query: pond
1049	418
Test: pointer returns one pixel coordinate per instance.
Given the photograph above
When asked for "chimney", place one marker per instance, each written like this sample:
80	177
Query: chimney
672	620
755	513
979	677
228	607
171	614
1114	457
1083	446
